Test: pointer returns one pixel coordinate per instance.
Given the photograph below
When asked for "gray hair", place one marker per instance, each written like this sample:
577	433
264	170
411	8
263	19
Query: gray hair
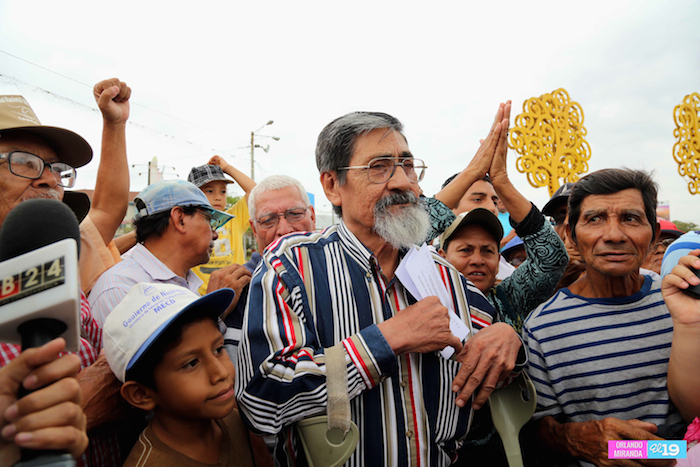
275	182
336	142
610	181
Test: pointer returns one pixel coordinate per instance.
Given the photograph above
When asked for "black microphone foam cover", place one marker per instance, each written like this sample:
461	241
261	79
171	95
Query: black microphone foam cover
34	224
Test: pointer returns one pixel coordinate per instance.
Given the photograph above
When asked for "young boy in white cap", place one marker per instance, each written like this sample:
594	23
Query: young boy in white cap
165	344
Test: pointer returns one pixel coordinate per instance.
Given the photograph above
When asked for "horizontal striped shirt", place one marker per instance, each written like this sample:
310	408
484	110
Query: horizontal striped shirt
597	358
318	290
140	265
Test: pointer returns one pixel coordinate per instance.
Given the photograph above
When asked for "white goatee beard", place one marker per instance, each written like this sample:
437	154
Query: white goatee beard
406	227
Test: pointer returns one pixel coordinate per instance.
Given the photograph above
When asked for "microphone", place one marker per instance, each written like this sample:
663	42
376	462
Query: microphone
39	292
39	288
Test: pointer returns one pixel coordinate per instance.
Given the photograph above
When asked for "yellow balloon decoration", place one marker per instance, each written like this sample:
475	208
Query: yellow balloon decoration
549	136
686	151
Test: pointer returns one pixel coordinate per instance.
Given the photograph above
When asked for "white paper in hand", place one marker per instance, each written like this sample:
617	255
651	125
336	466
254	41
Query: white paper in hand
419	275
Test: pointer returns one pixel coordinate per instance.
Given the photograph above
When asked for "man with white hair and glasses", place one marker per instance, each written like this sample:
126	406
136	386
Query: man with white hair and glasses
278	205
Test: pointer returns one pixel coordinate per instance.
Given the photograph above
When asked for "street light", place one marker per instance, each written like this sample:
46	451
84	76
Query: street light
253	146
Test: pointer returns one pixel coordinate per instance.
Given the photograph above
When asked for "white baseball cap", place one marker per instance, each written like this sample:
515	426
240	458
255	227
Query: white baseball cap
145	313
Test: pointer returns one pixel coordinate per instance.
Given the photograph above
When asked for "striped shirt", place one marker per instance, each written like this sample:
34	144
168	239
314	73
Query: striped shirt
317	290
597	358
140	266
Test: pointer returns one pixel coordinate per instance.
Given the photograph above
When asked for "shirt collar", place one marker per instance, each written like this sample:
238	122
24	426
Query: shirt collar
157	269
358	250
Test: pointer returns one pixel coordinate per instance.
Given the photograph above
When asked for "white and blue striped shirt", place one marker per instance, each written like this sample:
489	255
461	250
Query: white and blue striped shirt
597	358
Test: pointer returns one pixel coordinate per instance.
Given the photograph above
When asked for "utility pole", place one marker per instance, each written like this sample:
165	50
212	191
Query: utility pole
253	146
252	155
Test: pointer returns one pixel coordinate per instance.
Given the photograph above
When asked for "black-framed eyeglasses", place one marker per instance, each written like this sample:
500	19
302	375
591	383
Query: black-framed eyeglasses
28	165
213	222
381	169
291	215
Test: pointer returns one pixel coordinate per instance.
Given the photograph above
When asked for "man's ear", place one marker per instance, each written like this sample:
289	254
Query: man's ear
568	233
312	212
329	181
177	218
138	395
442	253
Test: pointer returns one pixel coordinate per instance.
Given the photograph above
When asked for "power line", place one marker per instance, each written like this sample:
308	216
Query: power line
46	69
133	103
130	122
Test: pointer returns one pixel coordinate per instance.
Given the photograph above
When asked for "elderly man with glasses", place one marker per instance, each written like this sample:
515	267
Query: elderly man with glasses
278	205
335	295
38	161
35	161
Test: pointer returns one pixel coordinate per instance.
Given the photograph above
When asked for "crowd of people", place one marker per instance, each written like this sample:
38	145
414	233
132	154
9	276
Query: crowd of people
192	354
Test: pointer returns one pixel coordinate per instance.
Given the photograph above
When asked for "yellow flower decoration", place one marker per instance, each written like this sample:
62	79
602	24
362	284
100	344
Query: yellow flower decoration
549	136
686	151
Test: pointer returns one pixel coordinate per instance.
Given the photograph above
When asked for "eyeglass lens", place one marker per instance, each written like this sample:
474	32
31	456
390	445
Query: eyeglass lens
31	166
214	223
381	170
293	215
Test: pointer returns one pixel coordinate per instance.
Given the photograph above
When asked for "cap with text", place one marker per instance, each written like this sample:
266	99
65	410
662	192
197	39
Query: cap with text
145	313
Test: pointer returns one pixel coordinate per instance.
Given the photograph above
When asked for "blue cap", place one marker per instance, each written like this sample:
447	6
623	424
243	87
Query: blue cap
678	249
514	243
164	195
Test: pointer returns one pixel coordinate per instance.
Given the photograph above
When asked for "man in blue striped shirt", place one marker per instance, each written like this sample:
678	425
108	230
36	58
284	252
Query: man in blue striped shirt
337	289
599	349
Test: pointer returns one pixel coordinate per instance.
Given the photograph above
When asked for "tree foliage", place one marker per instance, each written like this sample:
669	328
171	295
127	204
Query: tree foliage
686	226
231	200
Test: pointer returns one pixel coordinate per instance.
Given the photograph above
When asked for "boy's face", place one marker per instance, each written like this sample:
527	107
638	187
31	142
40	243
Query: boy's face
216	194
195	378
